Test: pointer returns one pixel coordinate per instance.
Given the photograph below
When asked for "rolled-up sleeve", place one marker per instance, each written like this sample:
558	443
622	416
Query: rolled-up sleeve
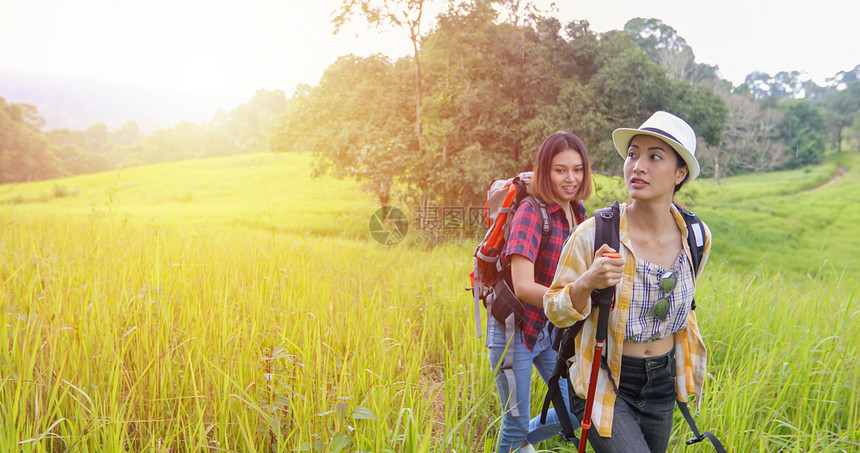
576	257
525	234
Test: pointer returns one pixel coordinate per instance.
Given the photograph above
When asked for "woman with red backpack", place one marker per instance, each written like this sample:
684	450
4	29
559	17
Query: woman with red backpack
561	181
654	351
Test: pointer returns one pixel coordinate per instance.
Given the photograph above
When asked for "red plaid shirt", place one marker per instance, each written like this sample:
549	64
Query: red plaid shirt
524	240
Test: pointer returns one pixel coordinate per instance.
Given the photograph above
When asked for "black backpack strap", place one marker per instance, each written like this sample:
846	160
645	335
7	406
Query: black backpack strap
566	348
606	222
563	344
695	236
699	437
695	241
543	217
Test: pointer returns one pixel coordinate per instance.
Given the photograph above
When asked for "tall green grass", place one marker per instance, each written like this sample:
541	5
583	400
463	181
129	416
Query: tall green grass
140	337
235	304
784	367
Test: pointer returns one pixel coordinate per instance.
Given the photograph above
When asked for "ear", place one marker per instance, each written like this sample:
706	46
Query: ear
680	174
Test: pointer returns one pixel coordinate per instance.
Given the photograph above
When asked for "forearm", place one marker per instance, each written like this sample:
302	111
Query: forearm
530	293
569	302
580	293
524	285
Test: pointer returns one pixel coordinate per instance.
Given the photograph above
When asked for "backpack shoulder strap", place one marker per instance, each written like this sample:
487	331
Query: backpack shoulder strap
606	221
695	241
606	224
695	237
543	216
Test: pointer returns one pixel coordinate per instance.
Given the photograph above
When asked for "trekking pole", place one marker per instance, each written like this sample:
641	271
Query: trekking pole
604	302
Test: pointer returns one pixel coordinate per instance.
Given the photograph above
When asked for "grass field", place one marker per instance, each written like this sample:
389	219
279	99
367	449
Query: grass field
236	304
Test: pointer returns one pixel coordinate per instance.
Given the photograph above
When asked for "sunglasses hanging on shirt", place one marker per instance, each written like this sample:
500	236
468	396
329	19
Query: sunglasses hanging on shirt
667	284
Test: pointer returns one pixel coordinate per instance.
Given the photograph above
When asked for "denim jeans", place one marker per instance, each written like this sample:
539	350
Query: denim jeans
515	427
643	409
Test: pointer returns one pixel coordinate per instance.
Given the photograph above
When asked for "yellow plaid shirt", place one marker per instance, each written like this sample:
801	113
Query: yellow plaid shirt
576	258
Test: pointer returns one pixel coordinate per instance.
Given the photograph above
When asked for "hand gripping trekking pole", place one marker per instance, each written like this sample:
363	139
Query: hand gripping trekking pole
604	303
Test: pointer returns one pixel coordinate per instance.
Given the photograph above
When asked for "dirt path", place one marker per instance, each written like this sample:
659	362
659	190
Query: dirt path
839	173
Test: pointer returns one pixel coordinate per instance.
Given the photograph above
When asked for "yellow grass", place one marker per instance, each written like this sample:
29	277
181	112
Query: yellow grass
236	304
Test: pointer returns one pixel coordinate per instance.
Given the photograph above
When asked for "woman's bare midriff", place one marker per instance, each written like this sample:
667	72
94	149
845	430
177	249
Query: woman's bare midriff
650	349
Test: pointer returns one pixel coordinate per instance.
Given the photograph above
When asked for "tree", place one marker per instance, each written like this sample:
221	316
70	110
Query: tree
855	131
583	47
486	81
667	48
75	150
405	14
94	149
294	129
663	45
25	153
356	122
492	90
128	134
250	124
750	140
624	91
783	85
803	133
840	109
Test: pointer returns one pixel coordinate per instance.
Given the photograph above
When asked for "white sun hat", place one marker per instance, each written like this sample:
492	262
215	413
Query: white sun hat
669	128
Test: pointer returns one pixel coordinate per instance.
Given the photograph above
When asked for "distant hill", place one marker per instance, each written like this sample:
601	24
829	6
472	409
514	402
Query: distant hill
78	103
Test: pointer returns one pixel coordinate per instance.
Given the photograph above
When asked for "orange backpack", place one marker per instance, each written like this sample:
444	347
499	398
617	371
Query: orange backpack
490	279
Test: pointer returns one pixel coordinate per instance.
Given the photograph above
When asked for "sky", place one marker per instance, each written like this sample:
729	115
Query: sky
233	48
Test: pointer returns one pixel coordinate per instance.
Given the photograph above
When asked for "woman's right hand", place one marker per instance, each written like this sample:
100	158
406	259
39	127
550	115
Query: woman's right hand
605	271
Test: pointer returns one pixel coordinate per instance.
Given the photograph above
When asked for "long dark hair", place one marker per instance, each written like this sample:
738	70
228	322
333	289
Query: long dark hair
541	185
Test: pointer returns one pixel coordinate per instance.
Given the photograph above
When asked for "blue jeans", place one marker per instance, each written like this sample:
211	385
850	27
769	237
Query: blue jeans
643	409
515	427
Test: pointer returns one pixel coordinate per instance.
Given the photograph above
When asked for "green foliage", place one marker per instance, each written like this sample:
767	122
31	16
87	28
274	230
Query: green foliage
855	131
250	124
702	108
840	109
666	47
803	132
492	92
488	77
606	190
245	129
28	153
750	139
95	149
357	123
25	154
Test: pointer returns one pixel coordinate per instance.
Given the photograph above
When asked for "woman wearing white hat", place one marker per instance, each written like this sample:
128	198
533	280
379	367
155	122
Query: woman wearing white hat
654	351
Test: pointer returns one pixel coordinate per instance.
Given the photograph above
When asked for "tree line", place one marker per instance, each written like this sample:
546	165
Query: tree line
494	78
27	153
